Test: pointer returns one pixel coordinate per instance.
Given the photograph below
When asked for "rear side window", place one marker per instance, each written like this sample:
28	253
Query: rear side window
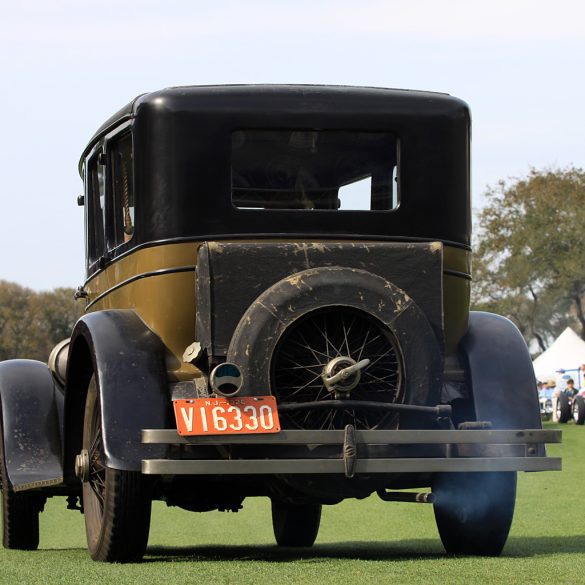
122	181
109	189
95	185
314	169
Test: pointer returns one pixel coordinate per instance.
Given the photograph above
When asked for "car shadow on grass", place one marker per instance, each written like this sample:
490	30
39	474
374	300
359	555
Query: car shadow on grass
517	547
272	553
530	546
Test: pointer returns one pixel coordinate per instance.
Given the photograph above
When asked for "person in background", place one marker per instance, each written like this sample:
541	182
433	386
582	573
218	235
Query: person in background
571	390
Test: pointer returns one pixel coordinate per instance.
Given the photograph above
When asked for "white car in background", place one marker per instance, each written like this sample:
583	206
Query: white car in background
545	399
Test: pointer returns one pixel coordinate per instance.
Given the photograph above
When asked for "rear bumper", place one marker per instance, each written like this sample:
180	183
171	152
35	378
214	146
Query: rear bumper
358	452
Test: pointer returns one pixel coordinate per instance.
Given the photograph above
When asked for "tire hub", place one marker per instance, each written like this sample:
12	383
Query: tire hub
82	466
340	377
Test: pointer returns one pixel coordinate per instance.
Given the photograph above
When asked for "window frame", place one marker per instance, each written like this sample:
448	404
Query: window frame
114	239
99	255
94	250
396	195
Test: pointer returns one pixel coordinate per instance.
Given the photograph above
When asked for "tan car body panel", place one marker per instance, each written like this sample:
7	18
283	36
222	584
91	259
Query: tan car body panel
158	282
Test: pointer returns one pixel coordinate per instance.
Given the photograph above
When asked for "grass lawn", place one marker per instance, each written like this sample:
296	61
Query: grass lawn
365	541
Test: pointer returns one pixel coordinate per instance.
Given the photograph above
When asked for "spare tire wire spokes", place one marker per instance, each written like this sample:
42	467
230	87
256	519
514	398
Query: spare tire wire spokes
347	346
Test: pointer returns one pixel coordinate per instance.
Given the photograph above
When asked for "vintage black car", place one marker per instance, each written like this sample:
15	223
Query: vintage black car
277	305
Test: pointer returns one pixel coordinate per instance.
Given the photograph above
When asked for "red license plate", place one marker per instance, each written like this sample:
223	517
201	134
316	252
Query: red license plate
227	416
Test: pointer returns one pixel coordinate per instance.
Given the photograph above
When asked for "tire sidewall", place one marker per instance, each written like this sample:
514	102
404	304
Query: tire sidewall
579	406
93	516
474	511
118	532
20	511
563	408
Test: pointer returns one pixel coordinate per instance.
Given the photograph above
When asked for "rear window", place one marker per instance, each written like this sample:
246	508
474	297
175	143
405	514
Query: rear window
314	169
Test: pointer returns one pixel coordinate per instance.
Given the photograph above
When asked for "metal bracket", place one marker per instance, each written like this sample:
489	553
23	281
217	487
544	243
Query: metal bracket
480	425
349	451
192	353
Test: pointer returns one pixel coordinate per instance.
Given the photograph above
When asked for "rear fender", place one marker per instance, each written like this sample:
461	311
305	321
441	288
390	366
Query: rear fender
32	424
127	359
500	373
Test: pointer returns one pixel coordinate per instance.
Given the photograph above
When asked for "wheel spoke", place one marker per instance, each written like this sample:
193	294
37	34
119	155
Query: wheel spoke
376	378
373	362
307	346
361	353
307	349
96	441
345	337
307	385
98	487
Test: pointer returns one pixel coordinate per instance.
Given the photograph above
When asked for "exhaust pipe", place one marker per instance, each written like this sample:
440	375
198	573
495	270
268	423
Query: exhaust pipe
419	498
226	380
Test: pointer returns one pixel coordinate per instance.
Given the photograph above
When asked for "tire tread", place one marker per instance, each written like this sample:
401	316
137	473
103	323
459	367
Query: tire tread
295	525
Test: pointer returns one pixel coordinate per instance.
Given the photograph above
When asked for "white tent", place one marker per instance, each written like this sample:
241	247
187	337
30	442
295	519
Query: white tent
567	352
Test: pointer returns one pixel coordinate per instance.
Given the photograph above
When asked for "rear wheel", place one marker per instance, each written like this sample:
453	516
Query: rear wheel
116	503
563	408
474	511
579	410
295	525
20	513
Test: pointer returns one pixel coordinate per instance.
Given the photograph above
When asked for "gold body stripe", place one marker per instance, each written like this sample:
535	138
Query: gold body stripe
158	282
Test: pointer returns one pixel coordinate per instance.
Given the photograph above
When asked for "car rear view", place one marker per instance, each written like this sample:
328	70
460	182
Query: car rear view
277	305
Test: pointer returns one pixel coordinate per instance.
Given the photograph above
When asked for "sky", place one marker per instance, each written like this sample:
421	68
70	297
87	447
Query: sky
66	66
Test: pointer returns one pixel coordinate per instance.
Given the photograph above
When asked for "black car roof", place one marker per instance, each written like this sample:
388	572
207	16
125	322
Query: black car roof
182	139
200	97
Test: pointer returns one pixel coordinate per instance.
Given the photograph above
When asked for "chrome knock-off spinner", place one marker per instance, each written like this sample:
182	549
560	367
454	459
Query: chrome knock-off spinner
342	374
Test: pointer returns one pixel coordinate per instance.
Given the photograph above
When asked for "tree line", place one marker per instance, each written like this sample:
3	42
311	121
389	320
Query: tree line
529	262
32	323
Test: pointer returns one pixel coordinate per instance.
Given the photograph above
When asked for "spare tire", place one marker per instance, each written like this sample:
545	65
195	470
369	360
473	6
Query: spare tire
330	295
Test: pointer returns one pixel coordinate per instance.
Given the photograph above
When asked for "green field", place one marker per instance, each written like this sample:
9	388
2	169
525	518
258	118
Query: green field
360	542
